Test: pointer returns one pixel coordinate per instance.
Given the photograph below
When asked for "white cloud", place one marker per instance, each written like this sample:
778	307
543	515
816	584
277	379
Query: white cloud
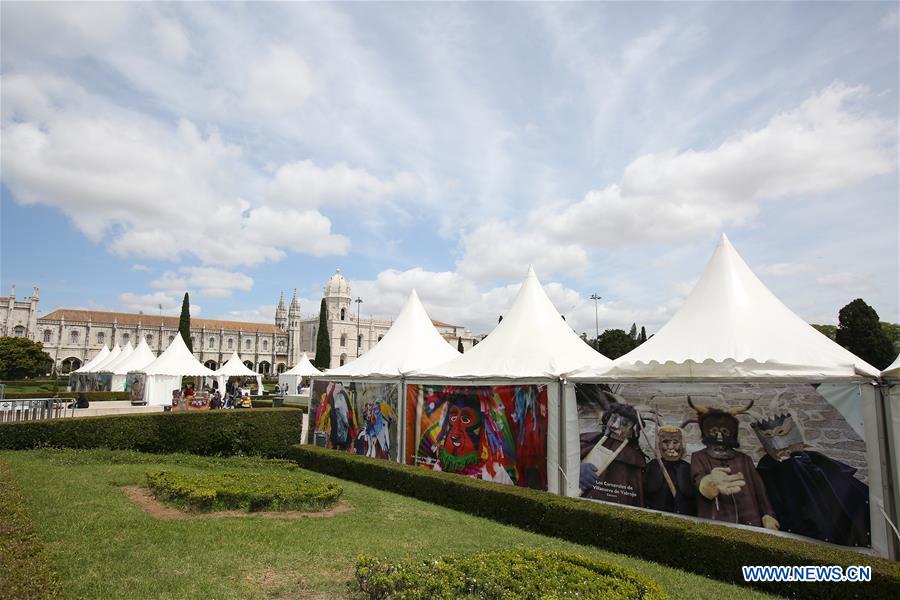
261	314
208	281
139	267
782	269
149	303
305	185
890	20
172	39
280	82
846	281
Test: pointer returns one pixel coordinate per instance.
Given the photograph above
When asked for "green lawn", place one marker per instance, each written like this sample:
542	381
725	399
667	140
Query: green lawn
101	545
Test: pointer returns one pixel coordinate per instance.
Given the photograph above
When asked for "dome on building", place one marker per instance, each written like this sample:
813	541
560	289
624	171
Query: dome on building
337	286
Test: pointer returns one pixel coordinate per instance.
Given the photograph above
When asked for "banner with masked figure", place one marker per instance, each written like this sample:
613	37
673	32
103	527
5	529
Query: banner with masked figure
497	433
360	418
779	456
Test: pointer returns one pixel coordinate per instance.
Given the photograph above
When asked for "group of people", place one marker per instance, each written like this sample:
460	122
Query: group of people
283	389
791	488
211	397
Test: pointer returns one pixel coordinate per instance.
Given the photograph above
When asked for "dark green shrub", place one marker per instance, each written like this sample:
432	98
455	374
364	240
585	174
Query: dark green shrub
244	490
528	574
263	432
24	566
91	396
711	550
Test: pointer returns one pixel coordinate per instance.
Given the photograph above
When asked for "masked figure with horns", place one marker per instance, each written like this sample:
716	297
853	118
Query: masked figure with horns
730	489
813	495
612	468
667	482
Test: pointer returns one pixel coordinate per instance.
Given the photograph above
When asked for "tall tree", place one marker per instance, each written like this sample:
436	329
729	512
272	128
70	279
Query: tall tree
184	322
860	332
500	319
643	337
633	333
20	358
323	341
613	343
459	345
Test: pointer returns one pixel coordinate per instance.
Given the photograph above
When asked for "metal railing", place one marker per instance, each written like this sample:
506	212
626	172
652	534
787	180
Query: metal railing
32	409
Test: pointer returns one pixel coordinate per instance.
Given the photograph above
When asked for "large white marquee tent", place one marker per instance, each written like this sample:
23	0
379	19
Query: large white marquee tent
136	360
731	328
235	367
164	374
294	376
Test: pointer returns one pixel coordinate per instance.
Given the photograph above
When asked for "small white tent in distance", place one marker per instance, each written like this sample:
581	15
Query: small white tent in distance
163	375
235	367
294	377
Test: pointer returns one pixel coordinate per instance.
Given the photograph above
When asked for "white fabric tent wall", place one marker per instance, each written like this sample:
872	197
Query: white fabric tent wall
140	358
731	328
164	374
235	367
890	391
294	376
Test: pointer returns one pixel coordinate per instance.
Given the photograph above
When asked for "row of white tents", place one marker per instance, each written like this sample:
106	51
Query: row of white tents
731	329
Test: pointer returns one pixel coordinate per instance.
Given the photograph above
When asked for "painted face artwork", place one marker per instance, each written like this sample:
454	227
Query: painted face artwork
619	427
780	436
720	430
464	430
670	443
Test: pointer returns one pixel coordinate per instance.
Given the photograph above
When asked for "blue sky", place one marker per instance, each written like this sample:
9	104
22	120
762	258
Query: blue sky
236	150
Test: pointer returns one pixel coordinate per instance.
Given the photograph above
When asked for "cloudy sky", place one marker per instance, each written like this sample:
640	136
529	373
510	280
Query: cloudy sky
236	150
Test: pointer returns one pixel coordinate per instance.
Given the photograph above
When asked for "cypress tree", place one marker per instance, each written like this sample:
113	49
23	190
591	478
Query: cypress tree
459	345
184	322
323	341
643	337
633	333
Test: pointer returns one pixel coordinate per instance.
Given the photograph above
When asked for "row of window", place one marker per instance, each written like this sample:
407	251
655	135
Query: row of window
358	340
75	336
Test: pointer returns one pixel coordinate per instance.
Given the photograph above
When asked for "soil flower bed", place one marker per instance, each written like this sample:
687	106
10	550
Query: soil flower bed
500	575
250	491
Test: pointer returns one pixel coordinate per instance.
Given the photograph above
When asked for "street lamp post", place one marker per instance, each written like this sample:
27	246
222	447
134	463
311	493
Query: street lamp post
358	344
596	297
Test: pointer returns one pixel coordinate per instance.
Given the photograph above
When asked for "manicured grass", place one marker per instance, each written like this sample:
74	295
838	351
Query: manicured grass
101	545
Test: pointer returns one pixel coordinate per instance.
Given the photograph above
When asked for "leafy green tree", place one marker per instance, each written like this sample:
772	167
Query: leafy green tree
21	358
633	334
459	345
323	341
860	332
613	343
826	330
184	322
643	336
892	331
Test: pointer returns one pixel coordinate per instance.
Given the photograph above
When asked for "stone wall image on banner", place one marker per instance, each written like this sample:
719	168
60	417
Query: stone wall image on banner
360	418
778	456
497	433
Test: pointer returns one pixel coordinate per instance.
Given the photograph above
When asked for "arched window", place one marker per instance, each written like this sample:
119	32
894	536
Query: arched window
264	368
125	338
343	340
248	364
210	364
101	337
193	341
171	338
149	339
246	344
212	342
47	335
343	313
230	344
380	337
280	368
19	331
73	337
265	345
281	344
343	359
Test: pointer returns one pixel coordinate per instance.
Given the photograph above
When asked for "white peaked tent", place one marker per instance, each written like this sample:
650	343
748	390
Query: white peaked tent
293	377
109	366
732	329
235	367
164	374
893	370
138	359
532	341
101	356
113	355
731	325
411	343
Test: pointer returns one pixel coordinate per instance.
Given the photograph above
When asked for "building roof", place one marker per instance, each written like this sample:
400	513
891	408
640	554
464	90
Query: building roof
337	286
99	316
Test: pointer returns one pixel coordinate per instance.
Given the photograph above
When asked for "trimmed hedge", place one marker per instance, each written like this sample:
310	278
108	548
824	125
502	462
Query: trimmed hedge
24	566
528	574
63	395
247	491
705	548
265	432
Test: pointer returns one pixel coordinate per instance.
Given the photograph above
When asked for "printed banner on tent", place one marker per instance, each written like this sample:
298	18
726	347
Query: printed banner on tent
778	456
497	433
134	385
360	418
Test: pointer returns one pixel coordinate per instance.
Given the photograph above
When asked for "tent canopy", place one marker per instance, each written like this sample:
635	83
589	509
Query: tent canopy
176	360
110	365
893	370
112	356
731	325
304	368
531	342
235	367
140	358
101	356
411	343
